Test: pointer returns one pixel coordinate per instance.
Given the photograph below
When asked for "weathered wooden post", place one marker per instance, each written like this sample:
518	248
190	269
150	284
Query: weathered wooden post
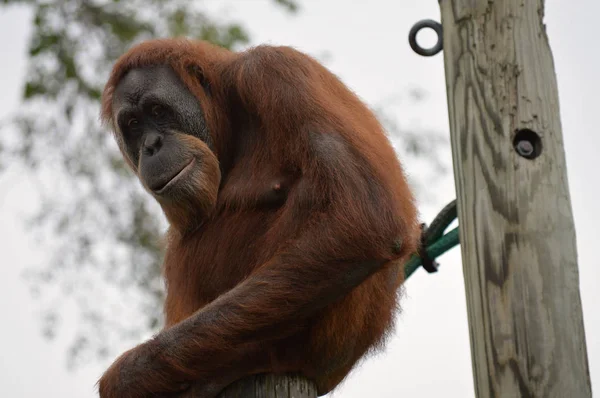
271	386
516	225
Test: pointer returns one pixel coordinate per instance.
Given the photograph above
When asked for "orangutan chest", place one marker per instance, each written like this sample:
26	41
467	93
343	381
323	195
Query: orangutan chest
219	257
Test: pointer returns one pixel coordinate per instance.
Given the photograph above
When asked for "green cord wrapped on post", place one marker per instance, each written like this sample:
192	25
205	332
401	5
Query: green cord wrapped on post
435	242
440	247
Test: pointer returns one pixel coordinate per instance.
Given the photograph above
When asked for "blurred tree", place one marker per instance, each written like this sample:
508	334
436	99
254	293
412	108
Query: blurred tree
102	228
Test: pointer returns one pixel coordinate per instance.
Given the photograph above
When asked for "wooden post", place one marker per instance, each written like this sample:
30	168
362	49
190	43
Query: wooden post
271	386
516	225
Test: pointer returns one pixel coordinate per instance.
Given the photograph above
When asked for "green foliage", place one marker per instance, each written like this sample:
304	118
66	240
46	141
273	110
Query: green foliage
103	229
289	4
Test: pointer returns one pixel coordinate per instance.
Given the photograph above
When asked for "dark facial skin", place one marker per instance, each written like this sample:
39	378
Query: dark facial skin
151	107
162	131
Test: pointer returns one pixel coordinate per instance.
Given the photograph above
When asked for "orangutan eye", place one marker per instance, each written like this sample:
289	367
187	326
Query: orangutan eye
157	110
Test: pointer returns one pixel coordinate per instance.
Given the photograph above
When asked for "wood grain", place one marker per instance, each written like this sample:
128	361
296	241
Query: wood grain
271	386
516	225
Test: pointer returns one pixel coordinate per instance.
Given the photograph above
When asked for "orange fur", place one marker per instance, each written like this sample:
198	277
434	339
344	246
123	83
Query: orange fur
294	269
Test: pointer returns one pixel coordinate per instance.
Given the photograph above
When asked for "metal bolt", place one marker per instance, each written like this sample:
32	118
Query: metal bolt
525	148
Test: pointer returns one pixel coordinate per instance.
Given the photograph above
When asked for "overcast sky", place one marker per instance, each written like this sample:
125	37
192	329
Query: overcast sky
365	43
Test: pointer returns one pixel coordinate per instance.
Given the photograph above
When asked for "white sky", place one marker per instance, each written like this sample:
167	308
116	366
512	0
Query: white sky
367	47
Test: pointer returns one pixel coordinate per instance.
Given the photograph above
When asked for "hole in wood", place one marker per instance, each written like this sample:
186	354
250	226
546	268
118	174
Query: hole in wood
527	143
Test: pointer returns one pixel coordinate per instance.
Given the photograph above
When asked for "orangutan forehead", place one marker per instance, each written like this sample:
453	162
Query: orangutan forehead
159	81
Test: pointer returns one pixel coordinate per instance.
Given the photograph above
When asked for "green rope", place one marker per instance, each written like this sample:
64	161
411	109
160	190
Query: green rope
437	243
441	246
442	221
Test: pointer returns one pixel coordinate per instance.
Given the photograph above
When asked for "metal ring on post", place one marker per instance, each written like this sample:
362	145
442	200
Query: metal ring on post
412	37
